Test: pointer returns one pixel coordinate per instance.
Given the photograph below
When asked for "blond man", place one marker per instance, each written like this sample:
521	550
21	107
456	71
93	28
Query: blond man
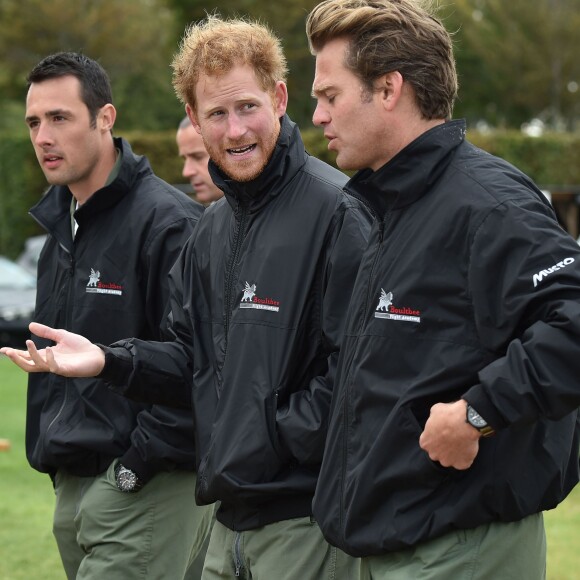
454	419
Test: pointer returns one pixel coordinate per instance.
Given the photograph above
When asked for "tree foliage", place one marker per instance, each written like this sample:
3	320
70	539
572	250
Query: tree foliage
518	60
132	39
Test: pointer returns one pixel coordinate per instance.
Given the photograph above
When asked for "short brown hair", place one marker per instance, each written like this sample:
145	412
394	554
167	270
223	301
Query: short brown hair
392	35
214	46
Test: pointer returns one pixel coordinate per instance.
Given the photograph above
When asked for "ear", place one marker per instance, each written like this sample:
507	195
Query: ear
192	117
390	88
280	98
106	117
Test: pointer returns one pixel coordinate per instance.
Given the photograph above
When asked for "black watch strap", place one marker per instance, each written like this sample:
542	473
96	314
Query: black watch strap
478	422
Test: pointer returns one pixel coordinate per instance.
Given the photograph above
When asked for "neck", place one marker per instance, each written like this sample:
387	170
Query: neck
84	189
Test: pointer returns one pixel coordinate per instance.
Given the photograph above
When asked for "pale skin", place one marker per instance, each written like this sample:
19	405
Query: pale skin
195	158
367	131
70	150
72	356
238	120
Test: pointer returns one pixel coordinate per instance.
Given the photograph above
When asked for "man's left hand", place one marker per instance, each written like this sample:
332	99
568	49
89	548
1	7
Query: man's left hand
447	436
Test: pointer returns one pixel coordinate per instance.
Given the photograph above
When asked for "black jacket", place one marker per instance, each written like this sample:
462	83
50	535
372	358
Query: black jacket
469	288
260	296
110	282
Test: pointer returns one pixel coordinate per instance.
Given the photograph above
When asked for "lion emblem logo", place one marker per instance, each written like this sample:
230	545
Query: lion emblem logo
385	301
94	278
249	293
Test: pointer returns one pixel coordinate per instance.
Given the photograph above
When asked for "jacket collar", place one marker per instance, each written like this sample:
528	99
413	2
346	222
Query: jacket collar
412	172
288	157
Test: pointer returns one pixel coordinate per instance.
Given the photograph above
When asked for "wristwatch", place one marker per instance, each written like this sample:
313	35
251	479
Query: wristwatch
127	480
477	421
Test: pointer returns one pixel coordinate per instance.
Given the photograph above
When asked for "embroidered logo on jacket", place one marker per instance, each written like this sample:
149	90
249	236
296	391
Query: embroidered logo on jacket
543	273
251	300
95	286
386	310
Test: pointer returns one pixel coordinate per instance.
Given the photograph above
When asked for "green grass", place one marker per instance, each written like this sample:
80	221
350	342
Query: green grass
27	547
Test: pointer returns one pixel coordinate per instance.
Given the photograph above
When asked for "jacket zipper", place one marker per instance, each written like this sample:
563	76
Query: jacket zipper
381	226
374	264
67	306
230	278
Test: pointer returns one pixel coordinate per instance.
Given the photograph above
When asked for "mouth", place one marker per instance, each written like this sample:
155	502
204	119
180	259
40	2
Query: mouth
51	160
331	139
241	151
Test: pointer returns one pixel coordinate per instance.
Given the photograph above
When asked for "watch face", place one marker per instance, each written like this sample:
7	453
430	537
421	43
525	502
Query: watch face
126	479
475	418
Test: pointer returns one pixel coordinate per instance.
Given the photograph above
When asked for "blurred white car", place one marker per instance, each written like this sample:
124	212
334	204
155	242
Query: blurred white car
28	259
17	299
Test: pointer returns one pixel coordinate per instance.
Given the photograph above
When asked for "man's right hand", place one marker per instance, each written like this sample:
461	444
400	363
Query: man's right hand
72	356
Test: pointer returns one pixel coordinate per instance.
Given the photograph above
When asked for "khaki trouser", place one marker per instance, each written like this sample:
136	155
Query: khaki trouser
105	534
288	550
497	551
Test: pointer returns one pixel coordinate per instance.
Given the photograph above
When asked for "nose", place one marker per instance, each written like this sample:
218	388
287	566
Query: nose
42	136
236	128
189	168
320	117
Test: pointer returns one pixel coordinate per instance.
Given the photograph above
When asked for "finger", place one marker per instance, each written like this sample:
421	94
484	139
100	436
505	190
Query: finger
35	356
53	366
7	350
24	363
44	331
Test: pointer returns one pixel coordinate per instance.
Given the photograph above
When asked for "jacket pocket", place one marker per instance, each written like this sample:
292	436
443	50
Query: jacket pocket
271	404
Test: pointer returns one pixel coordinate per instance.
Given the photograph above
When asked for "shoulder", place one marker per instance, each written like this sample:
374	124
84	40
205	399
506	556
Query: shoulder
156	195
324	176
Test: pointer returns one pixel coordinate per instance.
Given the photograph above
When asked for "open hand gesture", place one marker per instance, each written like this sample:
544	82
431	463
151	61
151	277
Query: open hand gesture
72	356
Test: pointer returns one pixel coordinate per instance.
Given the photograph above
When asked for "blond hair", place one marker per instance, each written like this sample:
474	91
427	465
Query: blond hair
392	35
214	46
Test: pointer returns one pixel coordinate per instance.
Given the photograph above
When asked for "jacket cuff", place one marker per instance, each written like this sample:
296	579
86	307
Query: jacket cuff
478	399
117	369
132	460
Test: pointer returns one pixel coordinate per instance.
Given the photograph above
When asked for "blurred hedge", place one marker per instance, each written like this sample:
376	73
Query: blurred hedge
550	160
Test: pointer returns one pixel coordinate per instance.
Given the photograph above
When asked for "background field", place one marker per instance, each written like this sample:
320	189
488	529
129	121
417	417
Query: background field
27	547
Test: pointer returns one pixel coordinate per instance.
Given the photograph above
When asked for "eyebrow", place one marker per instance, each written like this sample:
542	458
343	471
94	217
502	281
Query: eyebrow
321	89
52	113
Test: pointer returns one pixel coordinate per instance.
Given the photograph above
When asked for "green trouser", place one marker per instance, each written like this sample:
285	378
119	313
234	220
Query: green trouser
497	551
287	550
105	534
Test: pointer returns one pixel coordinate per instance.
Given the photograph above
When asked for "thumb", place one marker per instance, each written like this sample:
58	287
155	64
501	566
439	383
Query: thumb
43	331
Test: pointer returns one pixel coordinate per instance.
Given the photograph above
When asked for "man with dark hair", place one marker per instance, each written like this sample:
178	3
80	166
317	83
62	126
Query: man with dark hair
454	414
259	297
123	472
